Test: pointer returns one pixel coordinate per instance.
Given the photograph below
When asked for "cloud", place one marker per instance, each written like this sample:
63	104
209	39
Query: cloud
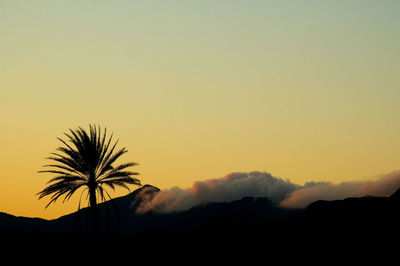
313	191
228	188
284	193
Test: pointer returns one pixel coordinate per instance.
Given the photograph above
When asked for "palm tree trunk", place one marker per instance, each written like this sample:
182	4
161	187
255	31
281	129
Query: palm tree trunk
94	210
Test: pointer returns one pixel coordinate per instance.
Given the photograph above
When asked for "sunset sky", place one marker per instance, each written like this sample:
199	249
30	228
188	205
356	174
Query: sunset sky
196	89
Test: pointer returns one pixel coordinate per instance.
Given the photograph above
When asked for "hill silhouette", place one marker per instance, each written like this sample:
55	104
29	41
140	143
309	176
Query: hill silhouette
240	222
118	217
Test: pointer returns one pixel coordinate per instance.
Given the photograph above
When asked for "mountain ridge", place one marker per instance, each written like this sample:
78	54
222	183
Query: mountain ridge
249	215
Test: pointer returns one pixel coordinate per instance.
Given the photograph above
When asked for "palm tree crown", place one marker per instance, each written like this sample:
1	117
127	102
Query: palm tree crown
86	161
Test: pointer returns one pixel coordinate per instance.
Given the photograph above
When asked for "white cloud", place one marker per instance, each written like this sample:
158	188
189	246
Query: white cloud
302	197
235	186
228	188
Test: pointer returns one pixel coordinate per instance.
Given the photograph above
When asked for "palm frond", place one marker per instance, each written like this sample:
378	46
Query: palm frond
59	189
86	160
68	178
121	181
103	164
114	157
72	164
113	170
118	175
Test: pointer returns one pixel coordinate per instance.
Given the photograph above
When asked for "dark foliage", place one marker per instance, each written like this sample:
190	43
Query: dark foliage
87	161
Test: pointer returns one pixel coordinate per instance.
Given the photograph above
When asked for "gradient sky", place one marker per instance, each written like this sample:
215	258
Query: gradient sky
196	89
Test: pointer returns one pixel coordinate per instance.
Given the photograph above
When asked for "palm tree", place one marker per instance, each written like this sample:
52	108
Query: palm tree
87	161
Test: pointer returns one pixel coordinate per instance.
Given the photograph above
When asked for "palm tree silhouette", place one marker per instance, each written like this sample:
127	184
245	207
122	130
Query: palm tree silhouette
87	162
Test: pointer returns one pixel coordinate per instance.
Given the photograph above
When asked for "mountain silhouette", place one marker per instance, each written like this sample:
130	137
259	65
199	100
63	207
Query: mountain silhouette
118	217
353	210
221	223
364	221
13	224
